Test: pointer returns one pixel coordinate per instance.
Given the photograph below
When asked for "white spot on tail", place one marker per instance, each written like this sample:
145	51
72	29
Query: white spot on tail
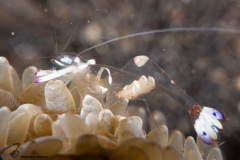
140	60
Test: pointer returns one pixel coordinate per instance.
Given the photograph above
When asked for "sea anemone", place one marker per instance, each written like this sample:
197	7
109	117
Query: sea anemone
63	120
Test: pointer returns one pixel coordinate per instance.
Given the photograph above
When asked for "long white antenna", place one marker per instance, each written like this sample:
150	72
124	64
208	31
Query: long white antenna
193	29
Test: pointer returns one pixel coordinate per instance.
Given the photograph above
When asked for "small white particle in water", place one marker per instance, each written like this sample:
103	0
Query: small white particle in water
172	82
88	21
13	33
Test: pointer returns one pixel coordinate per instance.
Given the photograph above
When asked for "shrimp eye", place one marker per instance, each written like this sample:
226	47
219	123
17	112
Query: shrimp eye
206	138
214	114
204	133
218	114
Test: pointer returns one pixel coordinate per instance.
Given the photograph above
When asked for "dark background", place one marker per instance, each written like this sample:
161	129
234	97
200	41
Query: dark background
205	64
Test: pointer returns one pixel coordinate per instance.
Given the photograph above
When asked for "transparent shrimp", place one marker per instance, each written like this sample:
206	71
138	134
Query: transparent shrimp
141	71
207	121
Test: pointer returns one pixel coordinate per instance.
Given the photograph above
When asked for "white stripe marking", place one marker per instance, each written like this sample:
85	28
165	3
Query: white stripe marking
140	60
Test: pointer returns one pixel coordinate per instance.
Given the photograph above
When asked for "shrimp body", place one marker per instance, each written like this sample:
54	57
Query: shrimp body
138	77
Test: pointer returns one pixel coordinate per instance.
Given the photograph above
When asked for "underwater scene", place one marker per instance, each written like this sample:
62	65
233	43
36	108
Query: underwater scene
101	79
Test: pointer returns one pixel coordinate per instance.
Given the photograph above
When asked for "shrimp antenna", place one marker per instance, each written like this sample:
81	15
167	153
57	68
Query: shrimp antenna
55	36
55	43
193	29
54	40
71	37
